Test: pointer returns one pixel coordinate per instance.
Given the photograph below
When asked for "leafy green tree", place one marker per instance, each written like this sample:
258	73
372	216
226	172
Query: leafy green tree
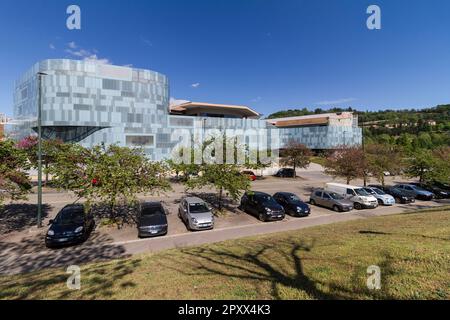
428	165
381	158
223	177
50	148
217	173
14	180
296	155
347	162
109	175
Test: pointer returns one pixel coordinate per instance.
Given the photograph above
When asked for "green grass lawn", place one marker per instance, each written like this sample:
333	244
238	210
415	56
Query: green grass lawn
318	160
325	262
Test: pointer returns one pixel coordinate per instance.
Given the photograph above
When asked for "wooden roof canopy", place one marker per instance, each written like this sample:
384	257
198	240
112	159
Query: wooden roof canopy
190	108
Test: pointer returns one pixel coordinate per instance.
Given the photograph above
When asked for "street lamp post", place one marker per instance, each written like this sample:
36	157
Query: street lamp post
39	124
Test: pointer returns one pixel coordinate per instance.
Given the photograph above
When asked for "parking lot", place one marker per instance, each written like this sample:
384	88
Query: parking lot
23	249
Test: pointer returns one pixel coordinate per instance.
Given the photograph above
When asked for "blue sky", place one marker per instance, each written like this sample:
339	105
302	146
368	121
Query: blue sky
269	55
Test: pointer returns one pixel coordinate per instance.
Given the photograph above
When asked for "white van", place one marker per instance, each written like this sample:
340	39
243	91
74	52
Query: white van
361	198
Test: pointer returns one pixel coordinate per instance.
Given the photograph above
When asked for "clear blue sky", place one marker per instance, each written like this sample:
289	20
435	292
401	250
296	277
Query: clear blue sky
270	55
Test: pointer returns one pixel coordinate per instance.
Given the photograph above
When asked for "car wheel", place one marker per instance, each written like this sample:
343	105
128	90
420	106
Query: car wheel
336	208
380	202
311	201
261	217
357	206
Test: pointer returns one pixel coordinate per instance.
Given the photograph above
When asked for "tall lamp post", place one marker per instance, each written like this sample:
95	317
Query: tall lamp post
39	124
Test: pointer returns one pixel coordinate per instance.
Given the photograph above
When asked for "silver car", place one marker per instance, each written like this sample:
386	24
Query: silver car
330	200
196	214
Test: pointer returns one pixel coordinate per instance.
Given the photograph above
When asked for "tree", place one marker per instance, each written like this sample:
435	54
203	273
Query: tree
110	175
14	181
222	177
296	155
381	158
50	148
420	164
347	162
216	173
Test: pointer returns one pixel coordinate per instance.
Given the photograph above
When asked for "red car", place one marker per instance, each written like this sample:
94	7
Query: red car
250	174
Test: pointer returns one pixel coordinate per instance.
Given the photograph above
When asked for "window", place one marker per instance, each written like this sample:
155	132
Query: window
140	141
350	192
111	84
318	193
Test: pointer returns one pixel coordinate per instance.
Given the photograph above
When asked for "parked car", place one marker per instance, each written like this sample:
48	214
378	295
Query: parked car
152	220
262	205
416	192
285	173
382	197
361	199
196	214
70	226
399	195
330	200
250	174
442	185
292	204
438	192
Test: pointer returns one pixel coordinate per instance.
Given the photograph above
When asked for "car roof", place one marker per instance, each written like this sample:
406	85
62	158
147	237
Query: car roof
193	200
255	193
286	193
148	204
73	206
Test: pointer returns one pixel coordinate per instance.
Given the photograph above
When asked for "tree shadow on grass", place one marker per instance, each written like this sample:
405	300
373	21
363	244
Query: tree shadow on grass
282	265
31	254
382	233
97	282
18	217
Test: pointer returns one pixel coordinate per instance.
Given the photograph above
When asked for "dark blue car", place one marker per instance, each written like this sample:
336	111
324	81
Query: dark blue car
292	204
415	191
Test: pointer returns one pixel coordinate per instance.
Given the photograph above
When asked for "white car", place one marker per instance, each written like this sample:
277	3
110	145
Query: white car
361	199
382	197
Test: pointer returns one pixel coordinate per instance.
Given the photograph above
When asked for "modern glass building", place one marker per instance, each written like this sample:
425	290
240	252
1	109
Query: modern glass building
92	103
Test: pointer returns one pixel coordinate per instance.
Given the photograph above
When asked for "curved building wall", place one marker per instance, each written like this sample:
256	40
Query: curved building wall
96	103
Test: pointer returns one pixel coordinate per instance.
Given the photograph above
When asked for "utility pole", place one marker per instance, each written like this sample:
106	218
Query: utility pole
39	123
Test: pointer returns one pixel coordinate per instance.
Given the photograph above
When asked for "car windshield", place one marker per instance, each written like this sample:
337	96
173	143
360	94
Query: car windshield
378	191
151	211
198	208
264	198
70	216
336	196
361	192
369	190
294	198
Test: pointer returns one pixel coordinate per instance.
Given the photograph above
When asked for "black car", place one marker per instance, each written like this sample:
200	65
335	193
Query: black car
262	205
438	192
399	195
292	204
442	185
285	173
152	220
70	226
